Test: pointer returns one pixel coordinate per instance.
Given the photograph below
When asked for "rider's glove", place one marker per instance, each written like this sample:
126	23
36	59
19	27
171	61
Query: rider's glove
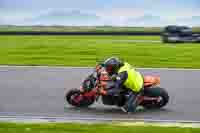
98	68
114	77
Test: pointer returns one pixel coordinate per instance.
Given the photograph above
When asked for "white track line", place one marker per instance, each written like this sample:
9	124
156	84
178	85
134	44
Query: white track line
71	67
121	122
96	119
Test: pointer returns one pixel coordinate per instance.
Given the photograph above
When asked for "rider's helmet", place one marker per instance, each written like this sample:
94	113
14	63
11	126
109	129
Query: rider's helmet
112	65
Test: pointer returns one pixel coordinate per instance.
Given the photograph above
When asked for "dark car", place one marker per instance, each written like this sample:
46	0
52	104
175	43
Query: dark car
174	34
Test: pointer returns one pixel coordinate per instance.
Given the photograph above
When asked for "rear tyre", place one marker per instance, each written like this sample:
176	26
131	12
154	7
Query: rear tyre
161	93
84	102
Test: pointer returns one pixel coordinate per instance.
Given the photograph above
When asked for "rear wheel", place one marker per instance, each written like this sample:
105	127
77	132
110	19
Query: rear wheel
158	92
74	98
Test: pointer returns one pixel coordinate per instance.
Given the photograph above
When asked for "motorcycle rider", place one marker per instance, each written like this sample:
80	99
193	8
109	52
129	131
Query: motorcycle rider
125	76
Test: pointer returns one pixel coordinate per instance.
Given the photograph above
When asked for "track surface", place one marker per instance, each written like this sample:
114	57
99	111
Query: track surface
33	91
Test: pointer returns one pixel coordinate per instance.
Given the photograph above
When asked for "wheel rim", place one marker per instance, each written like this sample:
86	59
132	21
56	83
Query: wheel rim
76	98
160	101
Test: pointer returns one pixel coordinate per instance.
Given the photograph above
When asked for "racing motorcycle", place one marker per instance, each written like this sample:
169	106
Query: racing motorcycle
152	96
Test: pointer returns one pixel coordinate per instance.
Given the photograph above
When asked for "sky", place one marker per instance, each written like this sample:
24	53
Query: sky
100	12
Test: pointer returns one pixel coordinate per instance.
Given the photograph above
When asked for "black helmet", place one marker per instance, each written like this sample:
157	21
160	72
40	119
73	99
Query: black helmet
112	65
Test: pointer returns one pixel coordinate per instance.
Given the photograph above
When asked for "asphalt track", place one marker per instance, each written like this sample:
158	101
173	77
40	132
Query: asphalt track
39	91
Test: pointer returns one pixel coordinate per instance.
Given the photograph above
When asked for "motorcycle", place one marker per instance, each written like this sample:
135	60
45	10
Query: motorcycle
152	96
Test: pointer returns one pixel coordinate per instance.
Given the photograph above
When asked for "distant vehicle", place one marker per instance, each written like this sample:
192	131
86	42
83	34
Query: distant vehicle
175	34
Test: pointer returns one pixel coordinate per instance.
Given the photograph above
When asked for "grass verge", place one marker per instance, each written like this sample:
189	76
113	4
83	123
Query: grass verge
88	128
86	50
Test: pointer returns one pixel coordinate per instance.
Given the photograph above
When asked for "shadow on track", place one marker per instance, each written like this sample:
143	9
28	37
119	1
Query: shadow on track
113	111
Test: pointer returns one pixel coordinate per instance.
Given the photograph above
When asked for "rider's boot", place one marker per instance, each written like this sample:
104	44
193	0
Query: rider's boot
131	104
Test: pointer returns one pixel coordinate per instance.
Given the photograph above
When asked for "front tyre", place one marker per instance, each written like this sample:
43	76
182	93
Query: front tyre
158	92
74	98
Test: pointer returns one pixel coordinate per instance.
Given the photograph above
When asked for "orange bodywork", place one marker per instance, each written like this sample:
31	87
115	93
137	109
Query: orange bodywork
151	80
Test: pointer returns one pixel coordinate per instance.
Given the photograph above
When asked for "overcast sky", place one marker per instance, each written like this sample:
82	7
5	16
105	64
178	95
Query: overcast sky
100	12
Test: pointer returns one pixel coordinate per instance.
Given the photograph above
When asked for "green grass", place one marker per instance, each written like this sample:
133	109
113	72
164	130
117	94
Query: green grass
88	128
86	50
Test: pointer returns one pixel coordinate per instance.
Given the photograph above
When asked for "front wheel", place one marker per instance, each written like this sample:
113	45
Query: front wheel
74	98
159	93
